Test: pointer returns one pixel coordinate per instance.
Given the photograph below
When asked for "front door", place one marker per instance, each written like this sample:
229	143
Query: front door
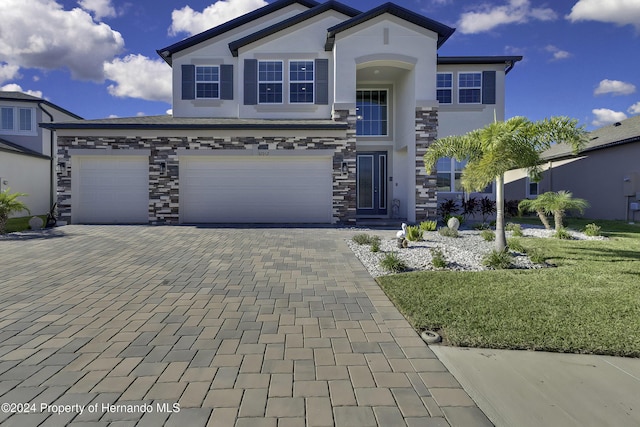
371	171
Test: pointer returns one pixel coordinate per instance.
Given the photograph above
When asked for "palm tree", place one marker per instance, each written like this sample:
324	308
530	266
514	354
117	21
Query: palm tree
539	206
500	147
8	205
557	204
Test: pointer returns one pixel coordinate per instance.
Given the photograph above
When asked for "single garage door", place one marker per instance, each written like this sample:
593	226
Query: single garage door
110	190
255	189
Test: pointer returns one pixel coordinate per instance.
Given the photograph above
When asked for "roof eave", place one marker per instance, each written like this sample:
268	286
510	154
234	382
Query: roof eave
239	126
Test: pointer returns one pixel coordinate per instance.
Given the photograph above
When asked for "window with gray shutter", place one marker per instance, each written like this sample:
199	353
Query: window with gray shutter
188	81
322	81
488	87
226	81
250	81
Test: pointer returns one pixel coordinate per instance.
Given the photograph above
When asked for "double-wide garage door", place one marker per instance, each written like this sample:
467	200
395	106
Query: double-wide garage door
255	189
110	190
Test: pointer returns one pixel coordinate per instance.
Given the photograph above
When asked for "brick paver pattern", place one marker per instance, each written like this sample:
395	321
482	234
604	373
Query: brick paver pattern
189	326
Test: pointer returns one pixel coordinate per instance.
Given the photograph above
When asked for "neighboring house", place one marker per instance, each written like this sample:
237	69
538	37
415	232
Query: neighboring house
297	112
606	172
26	163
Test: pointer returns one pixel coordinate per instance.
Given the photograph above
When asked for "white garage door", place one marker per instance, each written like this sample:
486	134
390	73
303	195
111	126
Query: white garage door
110	190
217	189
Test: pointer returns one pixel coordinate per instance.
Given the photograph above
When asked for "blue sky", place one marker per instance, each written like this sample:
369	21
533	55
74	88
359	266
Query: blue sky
97	58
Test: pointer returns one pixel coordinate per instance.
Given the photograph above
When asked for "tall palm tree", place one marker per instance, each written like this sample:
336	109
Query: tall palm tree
500	147
557	204
8	205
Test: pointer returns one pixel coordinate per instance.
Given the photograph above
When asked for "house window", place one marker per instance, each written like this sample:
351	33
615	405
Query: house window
6	118
25	124
469	88
17	121
372	112
301	82
208	82
270	82
449	174
444	88
533	189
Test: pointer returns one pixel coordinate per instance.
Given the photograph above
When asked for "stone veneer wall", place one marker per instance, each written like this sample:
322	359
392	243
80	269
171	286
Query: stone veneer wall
426	185
164	188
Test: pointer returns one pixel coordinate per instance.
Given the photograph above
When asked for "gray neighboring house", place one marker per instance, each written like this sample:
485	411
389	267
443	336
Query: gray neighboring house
26	161
606	173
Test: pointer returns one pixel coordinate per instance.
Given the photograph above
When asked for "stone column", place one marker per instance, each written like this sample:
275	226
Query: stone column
426	132
344	185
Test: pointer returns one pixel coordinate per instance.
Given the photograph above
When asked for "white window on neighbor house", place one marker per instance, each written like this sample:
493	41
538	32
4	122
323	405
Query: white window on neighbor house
301	82
207	82
372	110
270	82
6	118
469	88
533	189
444	88
17	120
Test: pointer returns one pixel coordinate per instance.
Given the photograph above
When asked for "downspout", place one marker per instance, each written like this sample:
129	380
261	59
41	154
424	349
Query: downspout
52	155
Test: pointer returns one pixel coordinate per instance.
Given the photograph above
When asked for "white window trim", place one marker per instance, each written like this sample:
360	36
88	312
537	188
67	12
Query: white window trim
312	81
207	81
16	122
386	135
528	188
469	87
282	82
445	88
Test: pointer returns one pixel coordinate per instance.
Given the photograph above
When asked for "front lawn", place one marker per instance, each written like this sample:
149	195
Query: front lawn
590	303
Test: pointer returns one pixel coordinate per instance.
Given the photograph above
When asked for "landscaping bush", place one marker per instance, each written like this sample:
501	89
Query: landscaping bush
10	204
562	234
448	232
592	230
511	208
470	207
537	256
515	229
515	245
375	245
487	208
488	235
428	225
481	226
448	208
414	233
364	239
498	260
437	258
392	262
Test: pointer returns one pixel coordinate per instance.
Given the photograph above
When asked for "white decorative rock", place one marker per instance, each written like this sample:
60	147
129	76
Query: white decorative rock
36	223
453	223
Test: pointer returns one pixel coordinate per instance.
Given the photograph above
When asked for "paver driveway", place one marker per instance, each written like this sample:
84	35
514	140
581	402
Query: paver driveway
232	327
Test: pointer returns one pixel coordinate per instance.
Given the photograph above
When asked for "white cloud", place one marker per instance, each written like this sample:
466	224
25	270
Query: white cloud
12	87
634	109
170	112
137	76
100	8
620	12
40	34
488	17
187	20
558	53
605	116
8	72
614	87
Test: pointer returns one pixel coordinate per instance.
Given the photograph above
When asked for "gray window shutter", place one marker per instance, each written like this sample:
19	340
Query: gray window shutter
226	81
322	81
488	87
188	82
250	81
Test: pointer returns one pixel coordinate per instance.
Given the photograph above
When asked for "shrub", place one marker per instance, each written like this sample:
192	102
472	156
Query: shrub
488	235
364	239
487	208
392	262
9	204
414	233
437	258
428	225
481	226
511	208
447	208
592	230
515	229
448	232
375	245
537	256
498	260
562	234
470	207
516	246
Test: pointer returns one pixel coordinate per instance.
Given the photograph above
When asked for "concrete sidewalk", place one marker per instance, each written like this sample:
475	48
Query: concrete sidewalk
524	388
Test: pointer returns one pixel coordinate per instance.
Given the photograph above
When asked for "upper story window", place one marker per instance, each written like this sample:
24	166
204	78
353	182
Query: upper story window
444	88
17	120
270	82
372	112
207	82
470	88
301	82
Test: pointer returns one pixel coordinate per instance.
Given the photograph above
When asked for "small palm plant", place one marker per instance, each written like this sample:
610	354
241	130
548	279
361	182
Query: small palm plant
556	203
8	205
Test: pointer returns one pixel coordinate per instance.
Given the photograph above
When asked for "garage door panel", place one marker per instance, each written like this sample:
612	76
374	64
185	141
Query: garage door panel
223	189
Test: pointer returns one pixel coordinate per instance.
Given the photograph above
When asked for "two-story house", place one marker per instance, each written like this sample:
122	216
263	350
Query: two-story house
298	112
26	151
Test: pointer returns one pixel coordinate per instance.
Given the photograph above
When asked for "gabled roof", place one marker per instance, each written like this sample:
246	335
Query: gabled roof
623	132
196	123
509	61
19	96
10	147
282	25
443	31
167	52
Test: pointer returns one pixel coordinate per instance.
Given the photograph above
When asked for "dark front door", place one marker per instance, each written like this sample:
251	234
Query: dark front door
371	170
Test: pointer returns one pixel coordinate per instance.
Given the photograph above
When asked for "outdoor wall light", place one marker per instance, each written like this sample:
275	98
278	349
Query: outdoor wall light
344	168
60	167
163	168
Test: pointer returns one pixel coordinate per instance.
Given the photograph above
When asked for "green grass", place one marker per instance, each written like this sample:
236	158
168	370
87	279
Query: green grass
21	224
589	303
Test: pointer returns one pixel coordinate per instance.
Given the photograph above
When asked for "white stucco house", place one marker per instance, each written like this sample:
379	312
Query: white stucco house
298	112
26	151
